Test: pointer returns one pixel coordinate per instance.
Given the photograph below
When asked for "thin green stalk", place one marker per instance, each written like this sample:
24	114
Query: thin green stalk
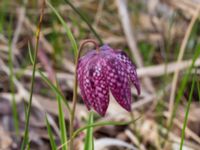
89	141
12	86
197	84
182	88
71	126
98	124
108	123
181	91
52	141
85	20
26	116
24	142
4	5
62	123
198	88
30	54
55	89
187	114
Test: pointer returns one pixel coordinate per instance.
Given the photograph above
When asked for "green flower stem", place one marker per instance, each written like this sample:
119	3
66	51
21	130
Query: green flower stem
71	126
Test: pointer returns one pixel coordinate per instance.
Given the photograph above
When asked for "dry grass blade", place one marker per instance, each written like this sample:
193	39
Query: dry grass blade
106	142
179	59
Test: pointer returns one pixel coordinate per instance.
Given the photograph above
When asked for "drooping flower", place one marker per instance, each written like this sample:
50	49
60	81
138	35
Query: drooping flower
106	70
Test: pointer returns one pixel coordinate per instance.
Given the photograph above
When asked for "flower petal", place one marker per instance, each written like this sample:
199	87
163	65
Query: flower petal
95	86
117	79
131	69
83	61
80	71
106	47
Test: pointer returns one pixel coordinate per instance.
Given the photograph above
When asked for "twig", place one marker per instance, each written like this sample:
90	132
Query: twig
99	12
151	71
106	142
188	131
149	98
134	139
162	69
17	32
188	7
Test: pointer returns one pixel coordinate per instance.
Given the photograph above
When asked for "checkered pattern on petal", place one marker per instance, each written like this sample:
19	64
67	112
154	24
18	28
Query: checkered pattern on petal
95	86
117	79
131	69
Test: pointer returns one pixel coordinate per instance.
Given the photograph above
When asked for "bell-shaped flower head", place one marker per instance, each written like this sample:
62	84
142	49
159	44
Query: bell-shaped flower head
106	70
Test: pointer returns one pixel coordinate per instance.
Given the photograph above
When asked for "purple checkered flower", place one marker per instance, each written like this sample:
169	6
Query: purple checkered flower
106	70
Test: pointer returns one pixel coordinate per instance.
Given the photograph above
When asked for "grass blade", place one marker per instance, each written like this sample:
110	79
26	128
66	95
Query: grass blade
3	6
26	117
62	124
187	114
85	20
198	88
54	89
68	31
89	141
52	141
108	123
182	86
30	54
11	78
24	142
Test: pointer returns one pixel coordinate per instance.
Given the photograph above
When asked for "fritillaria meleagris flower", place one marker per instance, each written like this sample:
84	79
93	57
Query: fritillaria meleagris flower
106	70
